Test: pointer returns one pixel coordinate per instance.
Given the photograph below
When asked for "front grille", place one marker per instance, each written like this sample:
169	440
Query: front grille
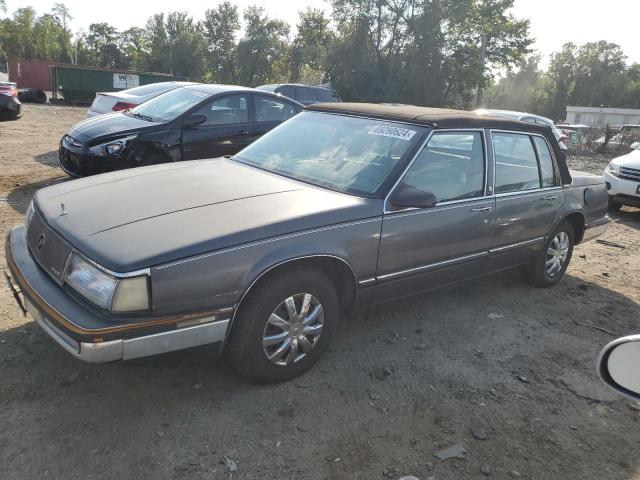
630	173
48	248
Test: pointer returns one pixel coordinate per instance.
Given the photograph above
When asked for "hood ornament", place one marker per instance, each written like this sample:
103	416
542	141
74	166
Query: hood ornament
62	210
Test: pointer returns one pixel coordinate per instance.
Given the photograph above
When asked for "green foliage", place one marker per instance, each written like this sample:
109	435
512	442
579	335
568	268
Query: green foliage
262	51
593	74
424	52
220	27
28	36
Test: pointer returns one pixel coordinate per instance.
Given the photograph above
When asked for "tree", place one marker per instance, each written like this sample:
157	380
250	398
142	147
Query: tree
516	90
555	86
262	49
3	5
135	46
63	13
309	51
102	47
599	75
220	26
486	29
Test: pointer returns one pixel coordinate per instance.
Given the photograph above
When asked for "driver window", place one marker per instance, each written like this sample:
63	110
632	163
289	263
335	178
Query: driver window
451	166
227	110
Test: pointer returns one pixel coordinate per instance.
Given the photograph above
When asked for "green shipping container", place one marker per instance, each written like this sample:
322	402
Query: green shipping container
80	84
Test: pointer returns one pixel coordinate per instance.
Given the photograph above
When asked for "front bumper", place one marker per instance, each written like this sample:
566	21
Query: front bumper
10	107
79	164
622	190
92	338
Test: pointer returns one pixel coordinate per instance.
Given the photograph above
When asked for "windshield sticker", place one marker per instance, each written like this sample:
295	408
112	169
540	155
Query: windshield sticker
393	132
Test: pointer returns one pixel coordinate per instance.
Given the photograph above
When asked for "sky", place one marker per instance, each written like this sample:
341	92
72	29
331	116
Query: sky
553	22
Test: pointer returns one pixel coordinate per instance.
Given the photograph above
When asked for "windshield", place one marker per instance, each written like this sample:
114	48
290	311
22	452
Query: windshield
168	106
348	154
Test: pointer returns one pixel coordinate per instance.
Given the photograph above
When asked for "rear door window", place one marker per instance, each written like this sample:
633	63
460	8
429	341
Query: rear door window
451	166
547	169
227	110
516	163
270	109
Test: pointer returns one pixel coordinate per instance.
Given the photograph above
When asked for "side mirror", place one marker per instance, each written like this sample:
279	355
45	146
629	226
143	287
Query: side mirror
635	146
406	196
195	119
619	365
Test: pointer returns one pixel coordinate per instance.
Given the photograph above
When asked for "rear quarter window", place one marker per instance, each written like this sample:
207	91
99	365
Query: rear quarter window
547	169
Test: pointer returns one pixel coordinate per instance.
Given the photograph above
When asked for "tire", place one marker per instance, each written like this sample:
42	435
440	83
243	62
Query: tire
541	272
613	206
254	325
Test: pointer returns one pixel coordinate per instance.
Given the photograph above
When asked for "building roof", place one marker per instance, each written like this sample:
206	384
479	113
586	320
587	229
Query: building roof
432	117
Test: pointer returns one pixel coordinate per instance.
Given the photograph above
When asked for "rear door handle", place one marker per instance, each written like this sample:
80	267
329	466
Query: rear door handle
550	197
481	209
243	133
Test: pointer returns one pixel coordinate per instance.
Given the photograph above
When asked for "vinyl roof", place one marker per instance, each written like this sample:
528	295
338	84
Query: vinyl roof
433	117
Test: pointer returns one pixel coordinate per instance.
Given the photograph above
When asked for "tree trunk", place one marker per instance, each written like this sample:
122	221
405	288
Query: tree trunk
483	59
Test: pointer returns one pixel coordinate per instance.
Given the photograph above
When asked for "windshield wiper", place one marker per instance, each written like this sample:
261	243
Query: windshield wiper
141	116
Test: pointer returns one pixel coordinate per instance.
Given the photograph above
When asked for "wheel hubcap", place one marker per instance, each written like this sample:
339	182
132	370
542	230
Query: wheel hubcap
557	254
293	329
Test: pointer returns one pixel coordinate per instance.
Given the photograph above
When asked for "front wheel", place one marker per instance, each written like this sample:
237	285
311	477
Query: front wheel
552	260
284	326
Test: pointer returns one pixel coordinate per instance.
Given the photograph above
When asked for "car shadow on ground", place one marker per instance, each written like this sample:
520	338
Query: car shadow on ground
19	197
628	216
49	159
186	370
447	348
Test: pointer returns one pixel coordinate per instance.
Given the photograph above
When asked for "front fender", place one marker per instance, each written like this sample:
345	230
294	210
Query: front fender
219	279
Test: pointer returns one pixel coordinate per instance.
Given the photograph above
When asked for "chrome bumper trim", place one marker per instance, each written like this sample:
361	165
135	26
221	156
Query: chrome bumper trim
127	349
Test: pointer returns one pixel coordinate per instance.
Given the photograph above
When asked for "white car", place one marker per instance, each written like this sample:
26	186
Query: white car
623	179
109	102
529	118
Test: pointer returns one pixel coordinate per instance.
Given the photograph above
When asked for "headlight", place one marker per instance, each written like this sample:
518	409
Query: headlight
29	215
104	290
114	147
614	169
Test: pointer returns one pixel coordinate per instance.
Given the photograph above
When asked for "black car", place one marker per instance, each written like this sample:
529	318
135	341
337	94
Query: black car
10	106
304	94
188	123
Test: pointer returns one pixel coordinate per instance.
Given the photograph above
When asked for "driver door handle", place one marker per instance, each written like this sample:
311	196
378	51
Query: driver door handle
550	197
481	209
242	132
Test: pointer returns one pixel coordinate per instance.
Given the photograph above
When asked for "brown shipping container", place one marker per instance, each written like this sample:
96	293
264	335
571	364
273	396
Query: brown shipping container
31	73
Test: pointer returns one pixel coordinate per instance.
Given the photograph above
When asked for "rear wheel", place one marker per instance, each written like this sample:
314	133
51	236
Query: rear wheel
552	260
284	326
613	205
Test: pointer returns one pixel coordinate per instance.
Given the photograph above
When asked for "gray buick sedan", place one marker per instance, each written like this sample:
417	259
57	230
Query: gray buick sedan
260	255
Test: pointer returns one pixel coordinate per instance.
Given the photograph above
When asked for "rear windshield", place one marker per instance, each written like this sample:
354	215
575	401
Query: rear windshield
149	89
348	154
169	105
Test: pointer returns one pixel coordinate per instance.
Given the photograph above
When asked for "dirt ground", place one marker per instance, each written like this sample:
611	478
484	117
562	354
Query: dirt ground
502	368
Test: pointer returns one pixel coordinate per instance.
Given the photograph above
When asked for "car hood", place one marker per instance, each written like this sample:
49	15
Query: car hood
129	220
630	160
108	125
